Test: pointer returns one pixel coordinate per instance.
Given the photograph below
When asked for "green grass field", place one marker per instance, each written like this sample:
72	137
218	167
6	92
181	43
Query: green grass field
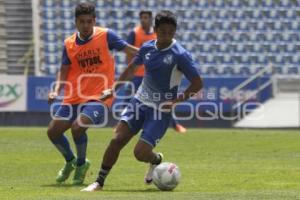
215	164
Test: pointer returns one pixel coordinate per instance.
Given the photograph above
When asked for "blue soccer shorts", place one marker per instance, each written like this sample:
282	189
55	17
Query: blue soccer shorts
152	122
94	110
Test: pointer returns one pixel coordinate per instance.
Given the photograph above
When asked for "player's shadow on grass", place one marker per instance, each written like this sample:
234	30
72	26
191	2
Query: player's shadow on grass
132	190
64	185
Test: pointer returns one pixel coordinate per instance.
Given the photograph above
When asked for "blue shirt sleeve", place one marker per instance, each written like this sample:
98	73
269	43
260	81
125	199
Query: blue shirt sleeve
115	42
138	58
187	65
131	38
65	59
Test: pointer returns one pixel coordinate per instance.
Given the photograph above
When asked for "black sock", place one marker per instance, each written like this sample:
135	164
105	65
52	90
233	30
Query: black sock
104	171
156	160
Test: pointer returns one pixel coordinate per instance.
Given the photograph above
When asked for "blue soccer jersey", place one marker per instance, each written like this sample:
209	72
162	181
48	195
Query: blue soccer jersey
114	43
164	69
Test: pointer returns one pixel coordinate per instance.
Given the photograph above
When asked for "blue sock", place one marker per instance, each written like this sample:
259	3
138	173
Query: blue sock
81	145
173	122
63	146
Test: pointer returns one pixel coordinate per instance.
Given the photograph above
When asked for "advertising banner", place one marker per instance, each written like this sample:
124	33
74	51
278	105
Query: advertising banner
38	89
13	93
218	93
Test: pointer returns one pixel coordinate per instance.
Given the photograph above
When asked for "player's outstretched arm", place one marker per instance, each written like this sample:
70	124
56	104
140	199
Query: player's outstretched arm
60	79
195	85
130	52
125	76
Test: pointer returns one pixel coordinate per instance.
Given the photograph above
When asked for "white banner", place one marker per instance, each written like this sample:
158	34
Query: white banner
13	93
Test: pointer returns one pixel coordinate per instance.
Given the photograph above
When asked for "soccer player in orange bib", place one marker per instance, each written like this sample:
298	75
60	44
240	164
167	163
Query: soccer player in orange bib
87	70
137	37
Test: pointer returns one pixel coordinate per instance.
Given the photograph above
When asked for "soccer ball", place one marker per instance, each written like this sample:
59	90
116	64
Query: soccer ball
166	176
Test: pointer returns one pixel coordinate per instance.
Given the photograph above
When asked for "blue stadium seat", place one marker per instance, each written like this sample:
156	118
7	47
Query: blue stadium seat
295	25
203	4
271	58
228	59
201	47
49	25
273	48
244	70
210	59
296	59
66	34
50	37
228	70
190	47
286	3
262	59
227	37
51	69
51	48
48	3
100	4
52	59
67	4
277	70
49	14
69	26
67	15
293	70
268	3
212	70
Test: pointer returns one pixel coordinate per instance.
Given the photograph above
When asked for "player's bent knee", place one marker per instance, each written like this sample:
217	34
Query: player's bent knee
51	130
140	155
52	133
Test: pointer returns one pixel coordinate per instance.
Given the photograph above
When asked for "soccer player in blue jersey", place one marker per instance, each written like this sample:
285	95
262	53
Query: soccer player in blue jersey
165	61
141	34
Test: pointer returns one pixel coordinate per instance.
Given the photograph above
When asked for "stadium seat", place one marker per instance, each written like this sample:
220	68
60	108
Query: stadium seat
212	70
244	70
51	48
50	37
67	4
48	3
49	26
68	26
228	70
277	70
293	70
67	15
52	59
232	36
49	15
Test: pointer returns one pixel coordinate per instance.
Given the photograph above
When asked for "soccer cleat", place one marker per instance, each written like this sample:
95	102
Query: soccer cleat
65	172
179	128
92	187
148	177
80	172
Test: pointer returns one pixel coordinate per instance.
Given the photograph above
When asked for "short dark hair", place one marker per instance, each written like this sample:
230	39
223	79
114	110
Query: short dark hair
85	9
165	17
147	12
